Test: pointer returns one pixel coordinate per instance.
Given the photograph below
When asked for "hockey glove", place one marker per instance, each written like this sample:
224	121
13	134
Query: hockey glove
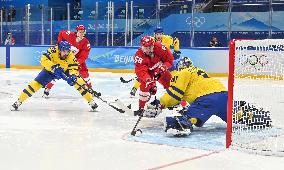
151	113
176	55
58	72
151	85
71	80
160	71
153	109
155	104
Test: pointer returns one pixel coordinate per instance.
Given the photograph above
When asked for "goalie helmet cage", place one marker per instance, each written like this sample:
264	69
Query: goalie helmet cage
256	72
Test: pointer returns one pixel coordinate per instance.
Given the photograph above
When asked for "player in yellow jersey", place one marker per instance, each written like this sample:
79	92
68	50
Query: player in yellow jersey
206	97
58	63
167	41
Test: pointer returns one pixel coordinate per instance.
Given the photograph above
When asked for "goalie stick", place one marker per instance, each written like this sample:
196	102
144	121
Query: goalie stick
126	81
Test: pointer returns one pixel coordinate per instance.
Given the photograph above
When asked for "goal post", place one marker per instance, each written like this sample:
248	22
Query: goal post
255	115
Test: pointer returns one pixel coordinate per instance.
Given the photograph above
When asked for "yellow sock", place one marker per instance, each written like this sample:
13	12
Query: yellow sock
33	87
83	91
136	84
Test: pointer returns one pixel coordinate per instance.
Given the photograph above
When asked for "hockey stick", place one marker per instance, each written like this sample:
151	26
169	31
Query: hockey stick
125	108
90	90
126	81
134	130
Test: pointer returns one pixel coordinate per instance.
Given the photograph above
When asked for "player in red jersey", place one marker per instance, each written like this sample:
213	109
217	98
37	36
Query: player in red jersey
80	46
152	61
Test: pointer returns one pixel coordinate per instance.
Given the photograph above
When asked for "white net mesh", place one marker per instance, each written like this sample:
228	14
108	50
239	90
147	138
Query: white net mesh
259	90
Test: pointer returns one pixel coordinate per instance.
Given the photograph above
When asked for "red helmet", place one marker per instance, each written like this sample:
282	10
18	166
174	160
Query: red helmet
80	27
147	41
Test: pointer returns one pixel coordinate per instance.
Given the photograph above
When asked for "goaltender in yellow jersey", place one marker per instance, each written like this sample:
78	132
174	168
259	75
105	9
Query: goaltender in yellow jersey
206	96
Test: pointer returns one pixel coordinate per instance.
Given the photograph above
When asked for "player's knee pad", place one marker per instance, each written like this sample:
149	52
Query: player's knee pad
144	96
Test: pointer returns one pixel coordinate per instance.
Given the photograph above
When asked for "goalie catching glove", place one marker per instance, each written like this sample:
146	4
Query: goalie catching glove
176	55
153	109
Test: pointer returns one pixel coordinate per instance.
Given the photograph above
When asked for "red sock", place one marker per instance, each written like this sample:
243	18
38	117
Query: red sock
142	104
49	85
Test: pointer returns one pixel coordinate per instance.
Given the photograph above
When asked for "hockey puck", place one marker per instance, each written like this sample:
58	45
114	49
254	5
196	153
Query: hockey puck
134	133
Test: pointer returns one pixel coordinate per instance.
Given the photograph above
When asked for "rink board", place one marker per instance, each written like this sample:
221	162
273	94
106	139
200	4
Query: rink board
214	60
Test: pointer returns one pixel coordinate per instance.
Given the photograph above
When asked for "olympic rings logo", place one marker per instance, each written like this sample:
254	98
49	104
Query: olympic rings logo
198	21
256	61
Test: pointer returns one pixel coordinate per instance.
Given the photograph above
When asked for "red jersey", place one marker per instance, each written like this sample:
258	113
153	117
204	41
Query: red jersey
145	65
81	49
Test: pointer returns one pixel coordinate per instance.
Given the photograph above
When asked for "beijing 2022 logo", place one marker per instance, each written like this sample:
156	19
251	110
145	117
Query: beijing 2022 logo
256	61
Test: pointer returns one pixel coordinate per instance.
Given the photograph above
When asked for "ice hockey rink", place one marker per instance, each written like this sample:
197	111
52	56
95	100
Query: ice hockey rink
60	133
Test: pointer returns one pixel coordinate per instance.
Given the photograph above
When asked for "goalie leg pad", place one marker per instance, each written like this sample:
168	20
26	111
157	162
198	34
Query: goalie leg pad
177	125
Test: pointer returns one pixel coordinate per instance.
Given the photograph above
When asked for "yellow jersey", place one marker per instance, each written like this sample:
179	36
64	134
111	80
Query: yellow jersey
189	84
169	42
52	57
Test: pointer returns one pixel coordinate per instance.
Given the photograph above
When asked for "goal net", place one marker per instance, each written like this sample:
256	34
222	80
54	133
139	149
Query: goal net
255	119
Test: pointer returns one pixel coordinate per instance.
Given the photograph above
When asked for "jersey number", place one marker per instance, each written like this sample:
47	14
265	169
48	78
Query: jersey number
52	50
138	60
202	73
174	79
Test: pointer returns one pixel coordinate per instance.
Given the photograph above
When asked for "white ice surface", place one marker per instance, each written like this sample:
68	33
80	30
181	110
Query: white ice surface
60	133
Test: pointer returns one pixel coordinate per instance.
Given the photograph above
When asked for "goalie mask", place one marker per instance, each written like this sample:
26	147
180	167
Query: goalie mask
184	63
